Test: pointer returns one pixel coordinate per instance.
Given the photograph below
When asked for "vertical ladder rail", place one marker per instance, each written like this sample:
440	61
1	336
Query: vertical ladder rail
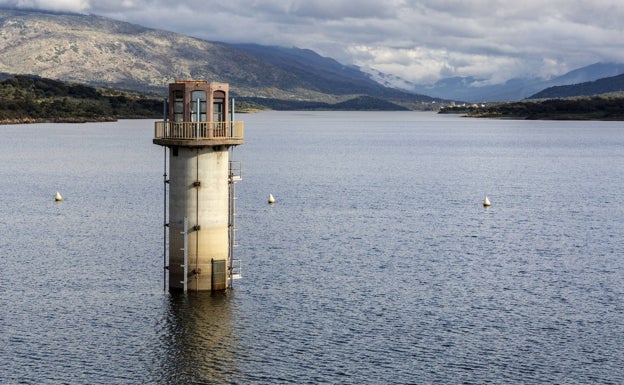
230	224
165	224
165	182
184	266
235	174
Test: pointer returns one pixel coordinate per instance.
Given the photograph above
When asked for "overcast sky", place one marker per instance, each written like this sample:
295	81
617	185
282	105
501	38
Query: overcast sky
419	40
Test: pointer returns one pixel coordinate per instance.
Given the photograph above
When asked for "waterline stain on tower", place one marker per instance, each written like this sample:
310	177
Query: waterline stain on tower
198	130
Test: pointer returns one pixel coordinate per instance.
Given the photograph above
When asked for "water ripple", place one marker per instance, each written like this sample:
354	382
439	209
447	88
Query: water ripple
377	265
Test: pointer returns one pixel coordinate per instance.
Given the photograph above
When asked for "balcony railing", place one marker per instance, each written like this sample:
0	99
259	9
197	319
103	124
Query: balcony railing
198	130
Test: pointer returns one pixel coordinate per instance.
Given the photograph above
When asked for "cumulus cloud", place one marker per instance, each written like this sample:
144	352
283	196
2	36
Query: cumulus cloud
419	40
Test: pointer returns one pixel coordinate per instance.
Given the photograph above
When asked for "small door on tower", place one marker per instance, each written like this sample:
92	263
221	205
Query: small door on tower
218	274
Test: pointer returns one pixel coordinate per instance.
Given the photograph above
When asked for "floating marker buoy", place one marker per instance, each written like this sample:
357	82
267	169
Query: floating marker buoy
486	202
58	197
271	199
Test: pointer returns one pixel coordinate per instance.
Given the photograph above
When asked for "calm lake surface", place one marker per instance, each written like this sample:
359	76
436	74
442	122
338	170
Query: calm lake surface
377	265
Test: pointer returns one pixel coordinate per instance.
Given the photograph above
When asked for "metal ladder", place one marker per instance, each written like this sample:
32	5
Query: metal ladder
234	265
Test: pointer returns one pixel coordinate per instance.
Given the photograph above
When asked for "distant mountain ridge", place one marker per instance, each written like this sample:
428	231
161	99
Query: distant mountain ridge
468	88
304	64
613	84
103	52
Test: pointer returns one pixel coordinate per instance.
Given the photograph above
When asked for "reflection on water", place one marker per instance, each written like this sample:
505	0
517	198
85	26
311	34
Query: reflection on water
199	339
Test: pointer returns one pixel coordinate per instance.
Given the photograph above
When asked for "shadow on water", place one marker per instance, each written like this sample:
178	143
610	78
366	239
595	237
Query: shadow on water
200	345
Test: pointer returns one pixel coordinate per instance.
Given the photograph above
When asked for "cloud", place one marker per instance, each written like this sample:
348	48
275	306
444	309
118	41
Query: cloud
56	6
419	40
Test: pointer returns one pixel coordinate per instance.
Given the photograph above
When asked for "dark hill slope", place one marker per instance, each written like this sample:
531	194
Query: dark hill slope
26	99
597	87
320	73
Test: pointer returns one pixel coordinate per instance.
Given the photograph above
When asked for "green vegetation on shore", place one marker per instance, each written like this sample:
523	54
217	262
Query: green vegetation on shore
603	107
30	99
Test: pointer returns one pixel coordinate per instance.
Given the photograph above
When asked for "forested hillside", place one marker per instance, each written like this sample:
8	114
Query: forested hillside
25	99
605	107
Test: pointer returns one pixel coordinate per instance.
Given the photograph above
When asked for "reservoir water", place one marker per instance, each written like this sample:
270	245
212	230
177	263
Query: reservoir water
378	264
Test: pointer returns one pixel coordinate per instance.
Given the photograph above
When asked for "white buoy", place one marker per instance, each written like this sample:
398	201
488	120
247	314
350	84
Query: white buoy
58	197
271	199
486	202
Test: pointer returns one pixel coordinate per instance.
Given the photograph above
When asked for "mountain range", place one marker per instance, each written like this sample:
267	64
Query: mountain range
469	89
102	52
98	51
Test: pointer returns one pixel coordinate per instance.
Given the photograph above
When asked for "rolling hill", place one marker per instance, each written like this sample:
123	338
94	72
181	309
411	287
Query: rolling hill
613	84
30	99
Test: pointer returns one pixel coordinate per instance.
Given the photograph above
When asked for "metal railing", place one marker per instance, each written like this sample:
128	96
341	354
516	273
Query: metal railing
198	130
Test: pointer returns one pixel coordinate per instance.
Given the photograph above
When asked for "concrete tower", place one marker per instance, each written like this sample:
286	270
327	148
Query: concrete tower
198	133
